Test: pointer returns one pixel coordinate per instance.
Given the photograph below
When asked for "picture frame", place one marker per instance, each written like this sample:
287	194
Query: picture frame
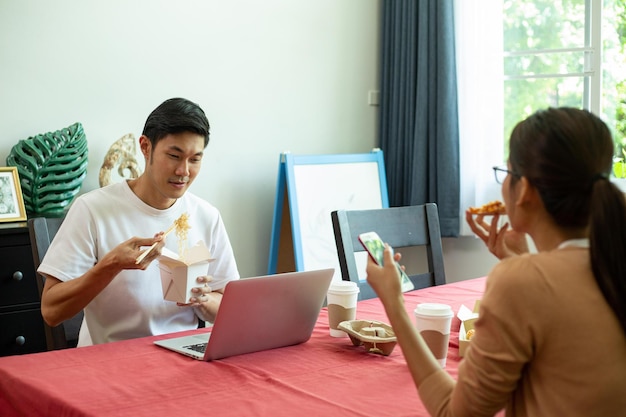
11	199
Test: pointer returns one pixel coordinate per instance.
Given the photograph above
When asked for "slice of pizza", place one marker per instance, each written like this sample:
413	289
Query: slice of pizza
493	207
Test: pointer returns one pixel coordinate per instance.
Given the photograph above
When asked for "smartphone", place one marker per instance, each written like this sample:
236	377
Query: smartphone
374	246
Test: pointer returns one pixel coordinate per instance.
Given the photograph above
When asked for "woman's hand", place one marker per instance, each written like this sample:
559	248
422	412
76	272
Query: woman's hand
385	280
503	242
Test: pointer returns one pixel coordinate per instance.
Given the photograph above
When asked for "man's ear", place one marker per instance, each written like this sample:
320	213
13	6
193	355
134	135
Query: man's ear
146	146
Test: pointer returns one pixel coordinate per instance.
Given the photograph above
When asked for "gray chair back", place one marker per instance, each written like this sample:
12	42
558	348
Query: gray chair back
401	227
42	230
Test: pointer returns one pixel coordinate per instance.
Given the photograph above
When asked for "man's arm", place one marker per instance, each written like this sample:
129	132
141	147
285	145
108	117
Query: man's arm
62	300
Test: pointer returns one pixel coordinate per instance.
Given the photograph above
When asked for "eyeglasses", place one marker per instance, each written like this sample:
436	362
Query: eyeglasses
501	172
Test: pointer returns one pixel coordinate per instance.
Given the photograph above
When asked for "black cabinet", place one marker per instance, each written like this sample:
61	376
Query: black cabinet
21	324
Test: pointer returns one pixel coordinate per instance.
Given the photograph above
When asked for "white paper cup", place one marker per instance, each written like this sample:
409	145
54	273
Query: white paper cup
341	299
433	321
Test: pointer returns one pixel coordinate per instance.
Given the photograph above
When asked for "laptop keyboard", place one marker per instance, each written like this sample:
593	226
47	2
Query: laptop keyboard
198	347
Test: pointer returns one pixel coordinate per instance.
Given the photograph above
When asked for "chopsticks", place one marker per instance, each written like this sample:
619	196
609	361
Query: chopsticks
147	251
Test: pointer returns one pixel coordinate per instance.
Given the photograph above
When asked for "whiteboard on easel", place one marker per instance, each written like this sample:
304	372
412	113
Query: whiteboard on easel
309	188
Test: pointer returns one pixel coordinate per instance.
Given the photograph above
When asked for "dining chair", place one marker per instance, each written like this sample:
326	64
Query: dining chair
400	227
42	230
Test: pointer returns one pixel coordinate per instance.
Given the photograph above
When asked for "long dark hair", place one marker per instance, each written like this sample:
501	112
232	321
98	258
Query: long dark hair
567	154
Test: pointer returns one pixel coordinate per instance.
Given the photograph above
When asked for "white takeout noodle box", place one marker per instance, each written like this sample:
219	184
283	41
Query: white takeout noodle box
178	276
467	317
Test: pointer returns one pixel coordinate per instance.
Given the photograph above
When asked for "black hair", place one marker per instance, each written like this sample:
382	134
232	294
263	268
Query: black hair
567	154
176	115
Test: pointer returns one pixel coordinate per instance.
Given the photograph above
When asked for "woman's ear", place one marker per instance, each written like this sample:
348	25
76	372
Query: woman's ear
527	195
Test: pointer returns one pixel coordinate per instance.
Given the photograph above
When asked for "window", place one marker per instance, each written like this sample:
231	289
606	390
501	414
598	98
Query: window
613	101
515	57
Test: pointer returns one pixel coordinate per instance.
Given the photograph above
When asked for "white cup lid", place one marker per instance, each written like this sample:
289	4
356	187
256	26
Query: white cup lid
433	309
343	287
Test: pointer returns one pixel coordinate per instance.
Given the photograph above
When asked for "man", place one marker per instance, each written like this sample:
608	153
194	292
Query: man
91	264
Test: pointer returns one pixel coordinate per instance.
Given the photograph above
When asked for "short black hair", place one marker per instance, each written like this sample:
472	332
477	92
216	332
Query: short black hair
176	115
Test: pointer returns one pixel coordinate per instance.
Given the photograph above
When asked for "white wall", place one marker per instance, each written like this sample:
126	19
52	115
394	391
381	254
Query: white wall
272	76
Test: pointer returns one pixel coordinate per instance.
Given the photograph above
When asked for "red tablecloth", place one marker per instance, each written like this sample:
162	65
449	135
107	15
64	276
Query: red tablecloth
325	376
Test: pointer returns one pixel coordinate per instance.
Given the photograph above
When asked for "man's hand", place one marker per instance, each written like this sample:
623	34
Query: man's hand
204	299
130	250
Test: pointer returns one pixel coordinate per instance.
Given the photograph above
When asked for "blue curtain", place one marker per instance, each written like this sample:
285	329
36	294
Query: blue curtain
418	129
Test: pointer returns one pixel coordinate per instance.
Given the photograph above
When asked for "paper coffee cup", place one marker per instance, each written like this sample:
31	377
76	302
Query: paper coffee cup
433	321
341	300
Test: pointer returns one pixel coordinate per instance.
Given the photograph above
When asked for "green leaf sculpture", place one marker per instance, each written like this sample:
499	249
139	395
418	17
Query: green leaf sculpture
52	167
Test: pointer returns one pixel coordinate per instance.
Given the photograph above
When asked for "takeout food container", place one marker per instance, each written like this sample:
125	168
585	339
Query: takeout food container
178	276
468	318
374	336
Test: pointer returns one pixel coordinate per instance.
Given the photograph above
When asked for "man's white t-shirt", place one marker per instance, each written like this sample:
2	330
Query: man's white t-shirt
132	305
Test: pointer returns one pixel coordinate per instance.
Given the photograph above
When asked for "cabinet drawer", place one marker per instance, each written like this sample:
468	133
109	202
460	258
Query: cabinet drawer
17	276
22	332
14	234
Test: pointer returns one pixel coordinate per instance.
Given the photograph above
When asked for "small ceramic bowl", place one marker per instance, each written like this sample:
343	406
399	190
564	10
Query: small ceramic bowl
374	336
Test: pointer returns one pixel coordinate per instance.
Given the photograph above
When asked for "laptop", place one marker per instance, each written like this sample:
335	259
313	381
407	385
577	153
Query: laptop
258	314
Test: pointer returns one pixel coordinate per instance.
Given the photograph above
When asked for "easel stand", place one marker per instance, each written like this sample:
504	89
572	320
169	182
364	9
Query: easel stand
309	188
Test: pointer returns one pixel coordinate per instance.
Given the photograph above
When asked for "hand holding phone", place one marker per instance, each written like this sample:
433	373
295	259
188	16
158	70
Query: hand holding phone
375	247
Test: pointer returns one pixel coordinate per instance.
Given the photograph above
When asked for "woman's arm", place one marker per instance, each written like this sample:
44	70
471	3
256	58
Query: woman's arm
385	280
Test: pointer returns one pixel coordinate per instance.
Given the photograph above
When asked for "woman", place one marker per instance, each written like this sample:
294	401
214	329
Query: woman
551	336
